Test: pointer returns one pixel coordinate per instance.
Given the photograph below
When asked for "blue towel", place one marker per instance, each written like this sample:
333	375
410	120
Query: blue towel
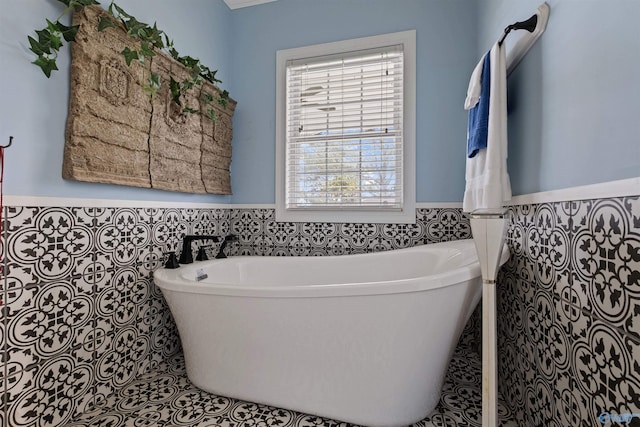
478	129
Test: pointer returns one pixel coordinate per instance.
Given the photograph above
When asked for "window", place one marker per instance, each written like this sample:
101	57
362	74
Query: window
345	131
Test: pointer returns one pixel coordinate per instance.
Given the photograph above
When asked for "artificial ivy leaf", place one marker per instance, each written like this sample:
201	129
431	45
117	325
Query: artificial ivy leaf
188	61
106	22
208	75
155	36
69	33
174	86
197	80
154	81
187	84
223	98
133	26
56	41
143	34
46	64
211	76
208	98
77	5
137	29
189	110
129	55
174	53
167	41
44	40
211	113
146	50
35	46
151	91
51	27
119	10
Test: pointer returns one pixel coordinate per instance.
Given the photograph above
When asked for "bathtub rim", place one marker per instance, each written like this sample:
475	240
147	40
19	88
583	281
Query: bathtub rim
173	280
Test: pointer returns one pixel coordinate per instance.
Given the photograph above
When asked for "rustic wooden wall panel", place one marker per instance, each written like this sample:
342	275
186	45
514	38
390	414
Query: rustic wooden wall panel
118	134
175	137
216	156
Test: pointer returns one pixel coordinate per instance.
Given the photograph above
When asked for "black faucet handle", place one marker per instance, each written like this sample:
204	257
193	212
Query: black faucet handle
186	257
227	239
172	261
202	253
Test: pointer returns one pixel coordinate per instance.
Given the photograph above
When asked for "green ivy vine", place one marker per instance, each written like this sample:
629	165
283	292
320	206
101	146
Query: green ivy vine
50	40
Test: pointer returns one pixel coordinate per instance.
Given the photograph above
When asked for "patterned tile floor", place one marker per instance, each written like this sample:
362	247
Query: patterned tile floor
166	398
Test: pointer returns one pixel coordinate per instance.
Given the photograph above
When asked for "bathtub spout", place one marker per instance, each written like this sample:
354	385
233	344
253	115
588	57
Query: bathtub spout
186	256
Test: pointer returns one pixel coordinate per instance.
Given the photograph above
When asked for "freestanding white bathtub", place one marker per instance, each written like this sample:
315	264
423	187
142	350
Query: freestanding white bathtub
359	338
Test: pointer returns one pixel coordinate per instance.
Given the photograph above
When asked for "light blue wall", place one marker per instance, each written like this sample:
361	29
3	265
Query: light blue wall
446	52
34	109
573	100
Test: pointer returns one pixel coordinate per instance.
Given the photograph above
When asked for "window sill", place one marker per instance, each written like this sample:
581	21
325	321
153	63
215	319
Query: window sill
405	216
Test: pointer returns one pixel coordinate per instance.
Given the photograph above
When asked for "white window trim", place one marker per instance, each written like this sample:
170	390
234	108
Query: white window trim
407	213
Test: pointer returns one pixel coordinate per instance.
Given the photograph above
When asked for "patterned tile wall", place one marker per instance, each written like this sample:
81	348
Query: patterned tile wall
569	313
260	234
81	316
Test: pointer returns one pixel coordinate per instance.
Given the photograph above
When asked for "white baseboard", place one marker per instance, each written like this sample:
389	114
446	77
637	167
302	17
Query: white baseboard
603	190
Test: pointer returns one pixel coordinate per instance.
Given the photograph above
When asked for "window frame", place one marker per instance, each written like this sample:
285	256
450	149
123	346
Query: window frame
350	214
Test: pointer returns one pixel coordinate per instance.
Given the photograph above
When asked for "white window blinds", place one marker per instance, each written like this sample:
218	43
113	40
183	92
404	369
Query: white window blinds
344	136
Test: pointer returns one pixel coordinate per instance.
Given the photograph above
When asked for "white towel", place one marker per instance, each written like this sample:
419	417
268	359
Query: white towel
475	86
488	185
